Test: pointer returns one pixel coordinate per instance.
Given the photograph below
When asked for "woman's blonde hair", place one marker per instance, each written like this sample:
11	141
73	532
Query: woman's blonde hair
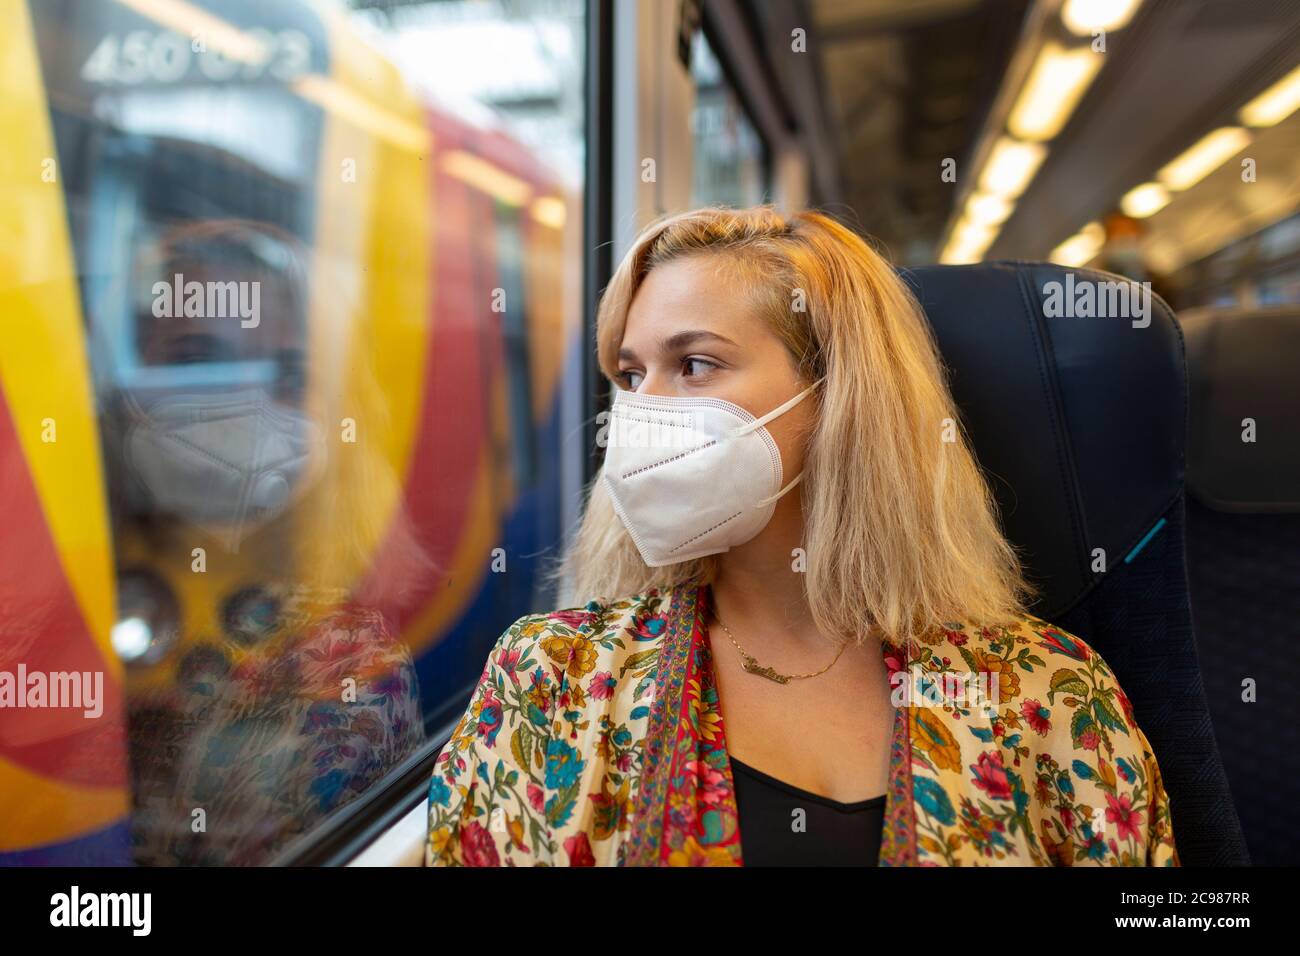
900	526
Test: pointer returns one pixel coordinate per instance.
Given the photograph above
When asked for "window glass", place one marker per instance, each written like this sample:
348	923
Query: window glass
1257	270
730	162
295	280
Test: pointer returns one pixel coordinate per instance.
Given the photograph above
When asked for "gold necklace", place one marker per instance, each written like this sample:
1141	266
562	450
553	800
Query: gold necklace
762	670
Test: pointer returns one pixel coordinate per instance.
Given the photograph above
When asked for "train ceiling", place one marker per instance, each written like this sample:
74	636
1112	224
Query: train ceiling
895	86
903	84
1181	69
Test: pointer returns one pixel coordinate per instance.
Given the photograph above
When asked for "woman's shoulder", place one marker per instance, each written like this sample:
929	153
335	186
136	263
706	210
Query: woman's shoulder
1047	677
598	616
1053	690
1049	724
1024	639
579	639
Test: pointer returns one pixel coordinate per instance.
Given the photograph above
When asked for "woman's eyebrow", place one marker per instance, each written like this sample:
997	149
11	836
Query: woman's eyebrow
680	340
677	341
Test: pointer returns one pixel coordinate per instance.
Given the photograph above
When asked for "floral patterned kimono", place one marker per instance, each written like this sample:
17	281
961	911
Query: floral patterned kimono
595	737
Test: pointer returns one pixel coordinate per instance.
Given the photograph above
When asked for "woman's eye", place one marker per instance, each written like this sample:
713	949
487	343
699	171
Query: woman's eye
630	379
688	363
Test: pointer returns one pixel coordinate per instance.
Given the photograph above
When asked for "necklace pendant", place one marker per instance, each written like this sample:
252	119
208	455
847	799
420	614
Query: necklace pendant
754	667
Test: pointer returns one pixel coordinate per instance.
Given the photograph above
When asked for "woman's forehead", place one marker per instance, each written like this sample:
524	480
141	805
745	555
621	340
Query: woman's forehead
691	293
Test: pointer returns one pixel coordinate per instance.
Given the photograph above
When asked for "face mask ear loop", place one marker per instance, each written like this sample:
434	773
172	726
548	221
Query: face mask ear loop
797	478
783	407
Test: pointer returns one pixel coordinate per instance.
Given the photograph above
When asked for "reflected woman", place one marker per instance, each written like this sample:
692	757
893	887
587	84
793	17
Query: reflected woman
273	689
796	633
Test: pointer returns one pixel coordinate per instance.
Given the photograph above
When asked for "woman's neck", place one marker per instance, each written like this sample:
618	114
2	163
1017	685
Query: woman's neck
760	587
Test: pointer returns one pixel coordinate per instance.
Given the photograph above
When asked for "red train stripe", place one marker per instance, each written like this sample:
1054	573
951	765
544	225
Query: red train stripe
42	629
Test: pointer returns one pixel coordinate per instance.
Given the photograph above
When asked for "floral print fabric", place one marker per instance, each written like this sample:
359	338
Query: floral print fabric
270	746
595	738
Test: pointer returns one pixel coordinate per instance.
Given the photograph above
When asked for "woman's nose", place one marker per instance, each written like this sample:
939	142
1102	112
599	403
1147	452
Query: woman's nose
658	383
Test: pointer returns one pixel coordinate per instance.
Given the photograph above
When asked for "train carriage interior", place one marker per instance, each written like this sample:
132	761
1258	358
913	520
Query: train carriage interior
298	389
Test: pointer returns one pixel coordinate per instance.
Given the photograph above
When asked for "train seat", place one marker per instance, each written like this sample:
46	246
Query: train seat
1243	555
1080	423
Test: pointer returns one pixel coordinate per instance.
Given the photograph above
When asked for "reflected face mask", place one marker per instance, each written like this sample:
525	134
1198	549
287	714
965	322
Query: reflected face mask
691	476
232	458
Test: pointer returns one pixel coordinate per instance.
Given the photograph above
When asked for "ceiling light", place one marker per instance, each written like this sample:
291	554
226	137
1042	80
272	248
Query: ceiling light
988	209
1145	200
973	233
1211	152
968	242
1080	248
1275	104
1010	167
1087	17
1056	84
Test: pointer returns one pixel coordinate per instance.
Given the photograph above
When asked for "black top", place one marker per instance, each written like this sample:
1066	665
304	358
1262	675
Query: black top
830	834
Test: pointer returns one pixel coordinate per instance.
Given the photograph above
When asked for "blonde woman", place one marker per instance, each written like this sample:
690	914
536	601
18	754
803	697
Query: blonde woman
797	634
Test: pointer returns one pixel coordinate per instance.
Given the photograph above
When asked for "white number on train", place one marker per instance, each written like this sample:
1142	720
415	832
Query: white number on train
143	56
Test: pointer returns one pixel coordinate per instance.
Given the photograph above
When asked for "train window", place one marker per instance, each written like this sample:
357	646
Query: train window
1262	269
299	277
730	160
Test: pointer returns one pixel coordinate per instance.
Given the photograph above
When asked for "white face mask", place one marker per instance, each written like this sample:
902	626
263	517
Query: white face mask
228	461
692	476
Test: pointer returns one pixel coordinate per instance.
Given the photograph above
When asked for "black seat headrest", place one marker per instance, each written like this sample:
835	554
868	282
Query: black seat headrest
1071	385
1243	443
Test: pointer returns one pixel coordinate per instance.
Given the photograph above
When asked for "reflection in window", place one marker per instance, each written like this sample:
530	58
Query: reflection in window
322	257
730	160
1257	270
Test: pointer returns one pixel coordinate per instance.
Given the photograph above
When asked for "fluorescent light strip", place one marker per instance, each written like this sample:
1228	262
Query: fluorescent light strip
1056	83
1145	200
1010	167
968	242
1080	248
1209	153
1087	17
1275	104
988	209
